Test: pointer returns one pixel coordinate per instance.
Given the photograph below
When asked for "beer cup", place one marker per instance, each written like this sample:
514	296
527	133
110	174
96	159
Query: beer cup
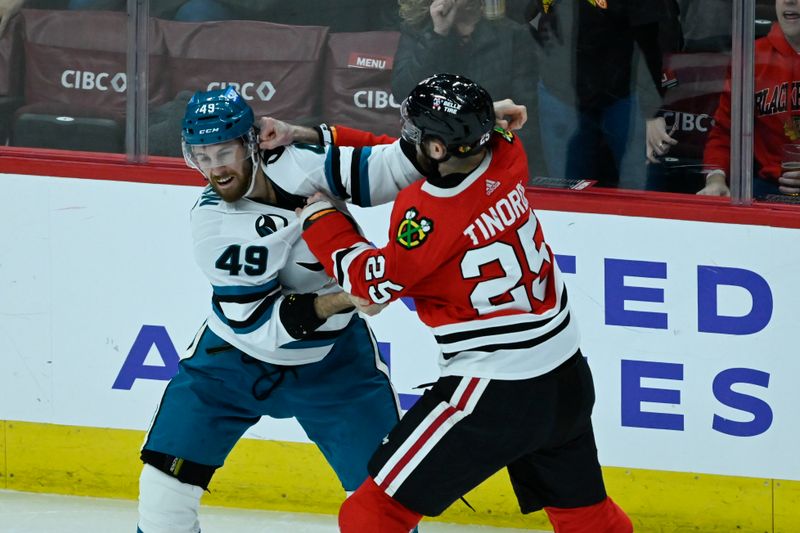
791	159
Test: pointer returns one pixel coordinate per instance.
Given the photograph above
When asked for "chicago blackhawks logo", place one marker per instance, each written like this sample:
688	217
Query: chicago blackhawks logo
507	135
791	128
412	232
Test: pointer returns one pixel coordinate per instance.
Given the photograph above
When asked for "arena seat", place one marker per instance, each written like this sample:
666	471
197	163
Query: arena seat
76	82
276	67
697	81
11	78
358	81
42	126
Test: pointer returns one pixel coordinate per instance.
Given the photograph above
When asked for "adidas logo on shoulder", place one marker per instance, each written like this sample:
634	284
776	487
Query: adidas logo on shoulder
491	186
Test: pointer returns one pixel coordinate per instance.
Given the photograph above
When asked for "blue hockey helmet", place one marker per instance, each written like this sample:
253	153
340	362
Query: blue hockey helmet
216	116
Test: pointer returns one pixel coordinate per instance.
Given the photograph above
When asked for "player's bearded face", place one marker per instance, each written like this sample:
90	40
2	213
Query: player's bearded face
227	167
231	182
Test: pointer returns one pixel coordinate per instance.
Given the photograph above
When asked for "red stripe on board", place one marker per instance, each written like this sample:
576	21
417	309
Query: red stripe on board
426	435
173	171
672	206
91	165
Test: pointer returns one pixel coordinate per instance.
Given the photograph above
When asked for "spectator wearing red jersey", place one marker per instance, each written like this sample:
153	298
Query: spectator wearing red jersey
777	112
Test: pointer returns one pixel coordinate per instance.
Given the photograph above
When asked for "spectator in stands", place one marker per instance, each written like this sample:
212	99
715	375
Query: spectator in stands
339	16
592	97
98	5
161	8
706	25
342	15
9	8
454	36
162	122
777	112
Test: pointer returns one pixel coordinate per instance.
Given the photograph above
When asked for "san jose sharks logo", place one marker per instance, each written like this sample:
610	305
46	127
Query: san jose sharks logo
412	231
266	224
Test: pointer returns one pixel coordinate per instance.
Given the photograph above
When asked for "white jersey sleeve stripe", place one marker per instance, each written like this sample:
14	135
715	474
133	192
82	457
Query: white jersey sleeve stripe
341	264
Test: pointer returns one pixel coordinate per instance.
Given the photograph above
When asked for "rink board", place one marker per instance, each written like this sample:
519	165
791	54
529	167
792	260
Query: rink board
687	326
294	477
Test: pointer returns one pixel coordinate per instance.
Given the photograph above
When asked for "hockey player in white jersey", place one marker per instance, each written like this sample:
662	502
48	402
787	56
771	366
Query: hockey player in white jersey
281	338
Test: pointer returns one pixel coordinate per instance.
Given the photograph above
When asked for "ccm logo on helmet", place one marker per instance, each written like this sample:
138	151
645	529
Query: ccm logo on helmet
87	81
209	130
264	92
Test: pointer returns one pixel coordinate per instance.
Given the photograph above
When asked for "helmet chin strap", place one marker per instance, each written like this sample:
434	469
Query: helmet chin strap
254	159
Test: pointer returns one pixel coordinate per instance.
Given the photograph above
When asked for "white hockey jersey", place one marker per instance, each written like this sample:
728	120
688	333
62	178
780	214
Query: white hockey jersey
253	255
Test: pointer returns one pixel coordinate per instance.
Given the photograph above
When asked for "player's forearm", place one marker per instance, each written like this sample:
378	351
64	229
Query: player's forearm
339	135
302	313
338	233
322	135
304	134
327	305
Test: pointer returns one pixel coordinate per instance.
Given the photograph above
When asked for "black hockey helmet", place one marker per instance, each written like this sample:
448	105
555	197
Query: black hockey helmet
452	108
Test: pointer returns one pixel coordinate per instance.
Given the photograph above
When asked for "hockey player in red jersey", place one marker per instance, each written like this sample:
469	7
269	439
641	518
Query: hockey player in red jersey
515	391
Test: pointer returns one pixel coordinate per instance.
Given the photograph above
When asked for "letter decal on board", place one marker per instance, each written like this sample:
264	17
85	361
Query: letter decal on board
634	394
617	293
134	368
761	411
709	319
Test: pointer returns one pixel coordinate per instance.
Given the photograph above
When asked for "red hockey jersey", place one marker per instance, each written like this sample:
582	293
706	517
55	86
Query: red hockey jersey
777	109
475	261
